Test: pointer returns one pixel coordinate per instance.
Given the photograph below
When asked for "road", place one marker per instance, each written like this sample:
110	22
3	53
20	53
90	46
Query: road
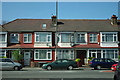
81	74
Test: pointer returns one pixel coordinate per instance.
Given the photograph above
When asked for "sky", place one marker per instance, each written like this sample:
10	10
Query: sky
66	10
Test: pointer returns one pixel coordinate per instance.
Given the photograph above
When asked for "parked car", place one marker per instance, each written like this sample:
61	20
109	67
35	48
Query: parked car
9	64
61	64
117	72
113	68
98	63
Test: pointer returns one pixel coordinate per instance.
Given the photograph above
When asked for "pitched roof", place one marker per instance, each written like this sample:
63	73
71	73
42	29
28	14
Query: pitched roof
2	29
64	25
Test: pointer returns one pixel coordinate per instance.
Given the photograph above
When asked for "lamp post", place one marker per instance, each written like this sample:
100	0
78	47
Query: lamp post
56	29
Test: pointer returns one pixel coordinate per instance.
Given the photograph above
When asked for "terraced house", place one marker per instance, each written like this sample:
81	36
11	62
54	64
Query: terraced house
76	38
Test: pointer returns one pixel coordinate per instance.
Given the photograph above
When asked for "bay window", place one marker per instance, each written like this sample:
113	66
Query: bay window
93	38
65	54
2	53
42	37
67	37
43	54
14	38
109	37
27	38
2	38
108	53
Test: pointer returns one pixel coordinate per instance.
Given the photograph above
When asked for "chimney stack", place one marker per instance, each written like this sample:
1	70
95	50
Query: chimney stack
54	20
114	20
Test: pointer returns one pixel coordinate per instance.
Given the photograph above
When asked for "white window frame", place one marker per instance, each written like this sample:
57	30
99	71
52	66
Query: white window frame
69	53
71	37
49	34
85	33
3	53
11	37
48	51
27	38
93	35
103	51
5	33
111	53
113	33
44	26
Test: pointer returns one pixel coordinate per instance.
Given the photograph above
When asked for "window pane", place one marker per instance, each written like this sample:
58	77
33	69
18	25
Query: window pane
49	38
29	37
44	26
59	54
2	37
25	39
115	38
81	38
42	54
37	38
14	38
90	39
36	56
43	37
65	38
49	56
109	37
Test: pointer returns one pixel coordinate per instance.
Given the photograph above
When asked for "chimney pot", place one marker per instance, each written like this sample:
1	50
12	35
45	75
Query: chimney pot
54	20
114	20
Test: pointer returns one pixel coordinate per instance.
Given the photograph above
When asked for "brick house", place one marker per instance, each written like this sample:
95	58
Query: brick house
77	38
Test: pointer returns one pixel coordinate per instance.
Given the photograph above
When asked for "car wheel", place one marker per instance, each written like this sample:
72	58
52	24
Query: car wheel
16	68
70	67
49	68
98	67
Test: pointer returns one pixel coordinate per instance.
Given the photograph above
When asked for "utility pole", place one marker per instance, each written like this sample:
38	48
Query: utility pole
56	28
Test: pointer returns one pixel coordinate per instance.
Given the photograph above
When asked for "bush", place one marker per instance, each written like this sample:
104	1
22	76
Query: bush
119	57
17	56
3	57
78	60
91	58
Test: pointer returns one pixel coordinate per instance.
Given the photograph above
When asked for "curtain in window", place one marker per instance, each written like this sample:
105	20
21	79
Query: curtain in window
109	37
2	53
65	54
29	37
42	54
43	37
25	37
65	38
2	37
14	38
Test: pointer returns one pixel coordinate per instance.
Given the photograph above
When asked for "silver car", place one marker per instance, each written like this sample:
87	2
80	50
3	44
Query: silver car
9	64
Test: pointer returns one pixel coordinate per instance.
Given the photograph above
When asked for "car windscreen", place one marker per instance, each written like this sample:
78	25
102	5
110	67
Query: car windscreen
8	60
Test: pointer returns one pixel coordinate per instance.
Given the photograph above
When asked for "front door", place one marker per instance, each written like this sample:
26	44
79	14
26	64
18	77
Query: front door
81	54
26	58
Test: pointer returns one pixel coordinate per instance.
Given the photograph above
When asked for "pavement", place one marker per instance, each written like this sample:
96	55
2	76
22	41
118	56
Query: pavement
84	67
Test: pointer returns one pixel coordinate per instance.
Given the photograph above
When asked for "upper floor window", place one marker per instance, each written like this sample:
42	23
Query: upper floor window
42	37
67	37
27	38
44	26
81	38
2	38
93	38
14	38
109	37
